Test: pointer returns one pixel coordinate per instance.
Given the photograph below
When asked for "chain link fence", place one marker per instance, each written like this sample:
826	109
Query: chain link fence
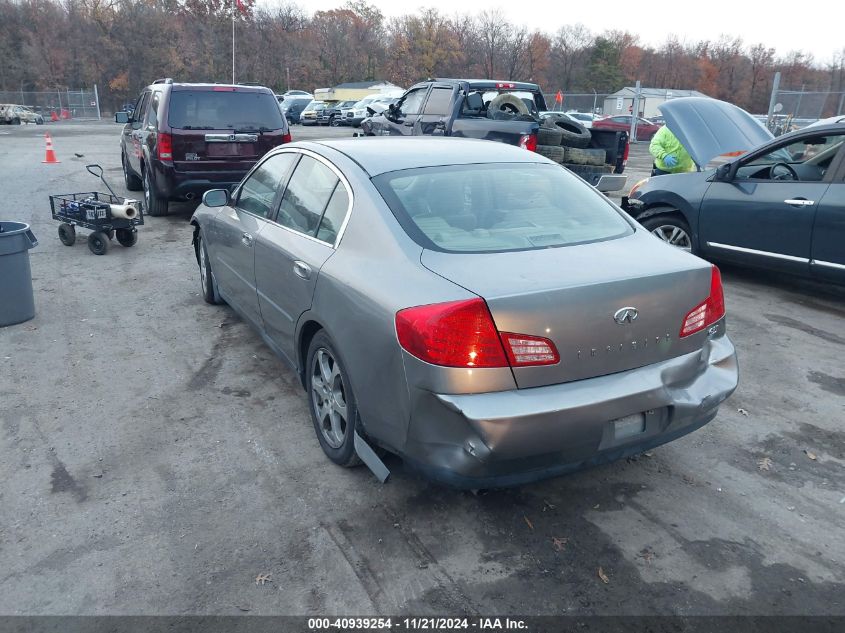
57	104
794	109
579	102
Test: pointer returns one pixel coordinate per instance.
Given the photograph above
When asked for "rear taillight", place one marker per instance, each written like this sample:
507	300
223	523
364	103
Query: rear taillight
523	350
287	138
462	334
164	145
708	311
529	142
625	155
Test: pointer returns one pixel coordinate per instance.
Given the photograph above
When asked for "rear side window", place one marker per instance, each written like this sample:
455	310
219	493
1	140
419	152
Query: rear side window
224	110
259	190
308	192
439	101
334	215
499	207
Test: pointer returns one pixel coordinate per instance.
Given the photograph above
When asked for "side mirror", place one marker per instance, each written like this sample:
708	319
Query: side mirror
724	173
215	198
121	117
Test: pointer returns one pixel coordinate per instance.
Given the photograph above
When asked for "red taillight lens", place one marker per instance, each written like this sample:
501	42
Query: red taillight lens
529	142
454	334
165	146
524	350
287	138
625	155
708	311
462	334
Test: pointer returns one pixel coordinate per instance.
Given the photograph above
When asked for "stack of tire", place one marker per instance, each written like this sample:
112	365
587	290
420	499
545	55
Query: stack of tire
567	142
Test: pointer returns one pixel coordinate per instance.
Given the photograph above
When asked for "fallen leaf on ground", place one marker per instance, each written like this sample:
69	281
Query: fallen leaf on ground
559	543
260	579
810	454
547	505
742	411
596	507
765	463
646	555
603	576
648	454
530	525
242	608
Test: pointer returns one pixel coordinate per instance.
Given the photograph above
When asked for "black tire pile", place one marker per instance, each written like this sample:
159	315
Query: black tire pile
567	142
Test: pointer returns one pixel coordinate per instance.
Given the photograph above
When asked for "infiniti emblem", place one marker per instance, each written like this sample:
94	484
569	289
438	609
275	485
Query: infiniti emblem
625	315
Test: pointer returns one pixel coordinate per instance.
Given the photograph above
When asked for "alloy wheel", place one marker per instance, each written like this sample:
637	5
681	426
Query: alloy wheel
328	395
674	235
203	272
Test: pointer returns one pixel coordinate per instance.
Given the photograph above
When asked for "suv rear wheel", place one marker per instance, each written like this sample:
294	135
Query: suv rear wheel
156	205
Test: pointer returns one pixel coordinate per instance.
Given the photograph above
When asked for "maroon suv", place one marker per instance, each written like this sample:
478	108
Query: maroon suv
184	139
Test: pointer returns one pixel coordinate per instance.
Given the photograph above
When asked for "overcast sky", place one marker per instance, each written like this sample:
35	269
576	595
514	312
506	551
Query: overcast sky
814	26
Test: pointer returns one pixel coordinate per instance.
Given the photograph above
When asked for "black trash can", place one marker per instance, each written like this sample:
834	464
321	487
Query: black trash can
16	301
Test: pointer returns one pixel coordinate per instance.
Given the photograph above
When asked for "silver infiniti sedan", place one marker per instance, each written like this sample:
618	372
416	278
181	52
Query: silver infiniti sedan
469	306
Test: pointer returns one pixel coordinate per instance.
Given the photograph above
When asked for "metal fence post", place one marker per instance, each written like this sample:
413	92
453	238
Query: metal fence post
635	113
97	101
773	100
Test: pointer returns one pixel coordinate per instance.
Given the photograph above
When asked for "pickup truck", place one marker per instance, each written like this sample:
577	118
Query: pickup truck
507	112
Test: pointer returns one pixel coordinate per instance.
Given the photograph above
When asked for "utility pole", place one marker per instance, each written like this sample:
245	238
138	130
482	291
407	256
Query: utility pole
635	113
287	75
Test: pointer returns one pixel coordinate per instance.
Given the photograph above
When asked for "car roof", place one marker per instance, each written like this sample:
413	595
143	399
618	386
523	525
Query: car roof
378	155
212	86
487	84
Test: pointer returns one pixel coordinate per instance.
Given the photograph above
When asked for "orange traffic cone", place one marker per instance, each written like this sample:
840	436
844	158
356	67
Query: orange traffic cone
51	155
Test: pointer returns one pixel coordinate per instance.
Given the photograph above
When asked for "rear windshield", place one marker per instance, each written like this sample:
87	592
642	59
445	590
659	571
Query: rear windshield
219	110
499	207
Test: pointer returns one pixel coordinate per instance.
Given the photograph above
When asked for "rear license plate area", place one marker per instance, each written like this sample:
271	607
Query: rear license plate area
230	149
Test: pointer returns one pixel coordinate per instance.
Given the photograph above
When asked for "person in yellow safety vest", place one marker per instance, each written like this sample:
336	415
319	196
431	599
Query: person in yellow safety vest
670	157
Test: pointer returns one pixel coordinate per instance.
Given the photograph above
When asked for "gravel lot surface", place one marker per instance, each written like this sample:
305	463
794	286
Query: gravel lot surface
156	458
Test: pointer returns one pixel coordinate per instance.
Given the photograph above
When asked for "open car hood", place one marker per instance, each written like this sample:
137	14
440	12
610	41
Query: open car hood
708	127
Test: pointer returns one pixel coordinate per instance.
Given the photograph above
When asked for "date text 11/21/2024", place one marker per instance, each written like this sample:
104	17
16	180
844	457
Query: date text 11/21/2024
417	624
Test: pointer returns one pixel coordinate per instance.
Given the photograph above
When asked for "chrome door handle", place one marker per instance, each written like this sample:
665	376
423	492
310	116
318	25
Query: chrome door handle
800	202
301	269
246	238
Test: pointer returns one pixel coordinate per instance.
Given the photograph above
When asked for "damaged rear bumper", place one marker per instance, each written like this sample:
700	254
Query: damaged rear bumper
513	437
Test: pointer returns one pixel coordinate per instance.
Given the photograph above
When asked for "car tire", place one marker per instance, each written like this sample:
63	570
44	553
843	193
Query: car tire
573	134
555	152
15	121
98	243
156	205
39	121
331	401
334	122
208	285
579	156
672	228
67	234
126	237
508	102
549	135
132	182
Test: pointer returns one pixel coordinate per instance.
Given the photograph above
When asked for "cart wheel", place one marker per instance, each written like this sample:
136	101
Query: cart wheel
67	234
109	234
127	237
98	243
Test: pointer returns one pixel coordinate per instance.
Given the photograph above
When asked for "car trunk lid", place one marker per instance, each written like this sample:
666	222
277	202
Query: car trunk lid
708	128
576	296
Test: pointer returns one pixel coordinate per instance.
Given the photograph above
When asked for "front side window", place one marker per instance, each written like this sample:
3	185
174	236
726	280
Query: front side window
259	190
499	207
310	188
411	103
807	159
